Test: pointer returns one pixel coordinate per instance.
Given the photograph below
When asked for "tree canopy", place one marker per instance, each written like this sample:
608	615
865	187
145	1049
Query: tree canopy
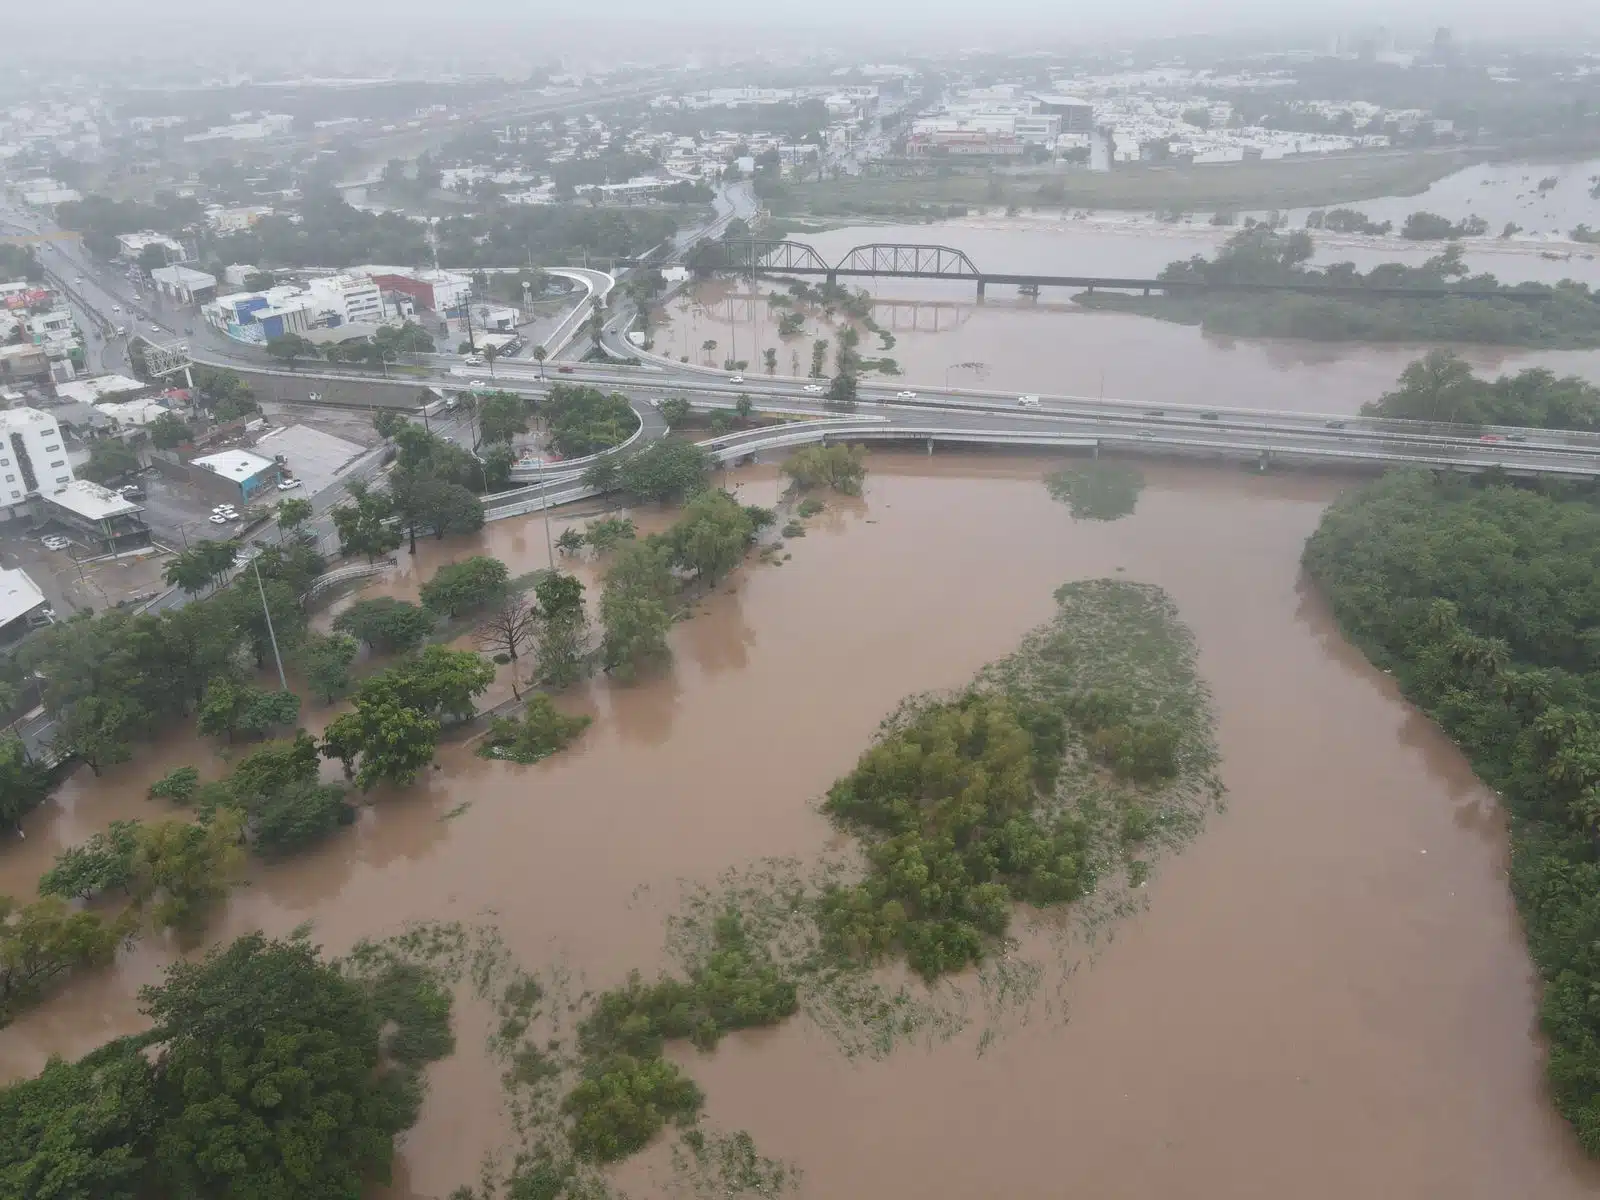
264	1075
1440	387
1564	315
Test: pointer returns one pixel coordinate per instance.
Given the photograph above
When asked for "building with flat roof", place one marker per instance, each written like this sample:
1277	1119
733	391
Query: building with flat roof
346	300
22	605
25	361
185	284
131	245
100	388
1077	116
131	414
102	517
234	474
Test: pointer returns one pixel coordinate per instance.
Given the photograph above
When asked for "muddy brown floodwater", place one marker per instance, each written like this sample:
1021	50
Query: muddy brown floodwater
1327	997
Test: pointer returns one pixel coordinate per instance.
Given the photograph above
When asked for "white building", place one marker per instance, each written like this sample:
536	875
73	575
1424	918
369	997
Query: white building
33	458
131	414
99	389
22	604
353	301
185	284
105	518
133	244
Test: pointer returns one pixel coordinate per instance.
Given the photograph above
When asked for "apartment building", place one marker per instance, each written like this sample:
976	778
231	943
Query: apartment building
33	458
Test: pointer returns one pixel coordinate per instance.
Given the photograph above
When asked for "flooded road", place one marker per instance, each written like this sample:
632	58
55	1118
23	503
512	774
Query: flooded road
1328	996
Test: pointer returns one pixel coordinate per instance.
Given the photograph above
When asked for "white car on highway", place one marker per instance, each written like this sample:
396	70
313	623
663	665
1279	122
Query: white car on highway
814	389
905	395
1028	401
736	379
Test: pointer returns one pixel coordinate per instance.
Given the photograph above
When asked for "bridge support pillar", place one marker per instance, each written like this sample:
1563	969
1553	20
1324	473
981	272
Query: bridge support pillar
833	279
930	447
981	282
1095	451
1264	460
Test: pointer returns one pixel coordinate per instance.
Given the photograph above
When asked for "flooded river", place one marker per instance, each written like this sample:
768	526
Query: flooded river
1327	996
944	337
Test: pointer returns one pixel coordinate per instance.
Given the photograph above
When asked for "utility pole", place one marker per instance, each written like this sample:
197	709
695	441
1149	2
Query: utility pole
267	613
549	548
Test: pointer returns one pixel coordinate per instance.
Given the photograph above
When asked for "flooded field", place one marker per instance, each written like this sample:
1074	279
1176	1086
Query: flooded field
1326	997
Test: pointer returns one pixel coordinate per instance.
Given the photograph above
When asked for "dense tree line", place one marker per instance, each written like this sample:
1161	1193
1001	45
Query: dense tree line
1440	386
19	262
1482	601
1566	315
267	1071
325	231
112	679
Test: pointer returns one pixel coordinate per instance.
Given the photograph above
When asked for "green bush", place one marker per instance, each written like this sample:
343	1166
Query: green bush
623	1103
946	800
541	731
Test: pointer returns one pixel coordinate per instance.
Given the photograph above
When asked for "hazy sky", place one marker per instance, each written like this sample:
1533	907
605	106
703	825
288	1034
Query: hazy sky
555	27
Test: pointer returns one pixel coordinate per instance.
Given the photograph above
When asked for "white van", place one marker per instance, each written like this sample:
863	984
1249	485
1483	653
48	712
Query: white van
1029	401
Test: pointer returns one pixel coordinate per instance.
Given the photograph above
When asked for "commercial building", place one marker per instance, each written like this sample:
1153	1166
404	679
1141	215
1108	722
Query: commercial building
22	605
132	245
443	292
33	458
260	316
346	300
1077	116
105	519
234	474
185	284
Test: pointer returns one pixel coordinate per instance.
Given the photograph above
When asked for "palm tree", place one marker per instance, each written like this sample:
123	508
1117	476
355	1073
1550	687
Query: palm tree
708	346
490	353
539	355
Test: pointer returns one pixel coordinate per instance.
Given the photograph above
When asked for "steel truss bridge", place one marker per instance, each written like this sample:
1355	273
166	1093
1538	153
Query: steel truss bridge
895	260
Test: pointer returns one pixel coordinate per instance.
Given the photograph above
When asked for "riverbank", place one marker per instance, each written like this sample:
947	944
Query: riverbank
1476	598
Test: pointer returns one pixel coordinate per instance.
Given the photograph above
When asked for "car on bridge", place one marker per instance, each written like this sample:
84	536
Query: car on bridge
1029	401
813	389
905	395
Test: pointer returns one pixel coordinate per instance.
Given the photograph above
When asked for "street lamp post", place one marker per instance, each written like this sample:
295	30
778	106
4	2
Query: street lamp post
267	613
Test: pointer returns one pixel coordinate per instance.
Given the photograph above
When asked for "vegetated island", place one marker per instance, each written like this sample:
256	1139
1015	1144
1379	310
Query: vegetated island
1057	776
1563	317
1480	597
